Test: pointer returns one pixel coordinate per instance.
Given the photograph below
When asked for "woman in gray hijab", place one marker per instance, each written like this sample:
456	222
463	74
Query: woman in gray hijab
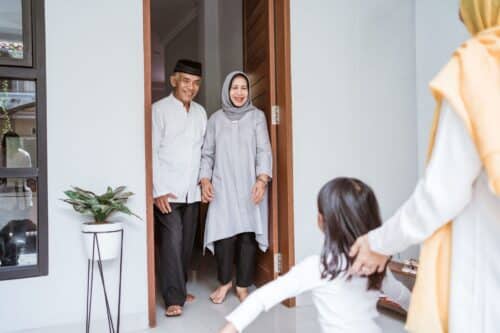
236	166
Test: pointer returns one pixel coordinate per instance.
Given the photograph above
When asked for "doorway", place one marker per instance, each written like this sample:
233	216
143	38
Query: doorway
262	31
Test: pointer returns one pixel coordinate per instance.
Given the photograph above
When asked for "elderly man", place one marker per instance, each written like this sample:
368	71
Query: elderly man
178	129
457	286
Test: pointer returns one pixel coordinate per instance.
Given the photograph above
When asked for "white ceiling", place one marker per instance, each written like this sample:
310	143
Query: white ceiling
167	14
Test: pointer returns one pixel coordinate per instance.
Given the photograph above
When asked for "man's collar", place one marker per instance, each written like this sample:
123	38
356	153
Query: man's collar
180	102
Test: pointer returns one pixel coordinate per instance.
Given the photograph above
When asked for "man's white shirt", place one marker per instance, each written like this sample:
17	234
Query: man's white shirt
177	141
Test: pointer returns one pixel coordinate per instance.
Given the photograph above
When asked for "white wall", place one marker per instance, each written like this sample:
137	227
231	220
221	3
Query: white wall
438	33
95	138
354	105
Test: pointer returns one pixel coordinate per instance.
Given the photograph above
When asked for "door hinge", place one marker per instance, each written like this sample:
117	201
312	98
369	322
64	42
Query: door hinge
275	115
278	263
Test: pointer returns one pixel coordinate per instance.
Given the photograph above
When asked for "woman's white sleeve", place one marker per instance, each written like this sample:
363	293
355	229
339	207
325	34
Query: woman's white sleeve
440	195
264	156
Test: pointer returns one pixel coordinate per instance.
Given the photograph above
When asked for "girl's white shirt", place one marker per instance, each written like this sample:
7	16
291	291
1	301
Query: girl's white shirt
343	305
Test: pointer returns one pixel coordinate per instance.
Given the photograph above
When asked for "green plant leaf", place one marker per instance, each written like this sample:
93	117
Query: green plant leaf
99	206
119	189
84	192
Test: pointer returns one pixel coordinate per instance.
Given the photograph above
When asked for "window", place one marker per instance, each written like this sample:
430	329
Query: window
23	157
15	33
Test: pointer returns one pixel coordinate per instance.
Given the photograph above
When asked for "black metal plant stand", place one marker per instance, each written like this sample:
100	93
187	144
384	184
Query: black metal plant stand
90	282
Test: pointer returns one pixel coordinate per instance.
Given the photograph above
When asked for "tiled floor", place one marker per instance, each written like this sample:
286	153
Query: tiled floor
203	316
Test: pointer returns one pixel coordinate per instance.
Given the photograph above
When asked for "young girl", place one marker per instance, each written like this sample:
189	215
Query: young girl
347	208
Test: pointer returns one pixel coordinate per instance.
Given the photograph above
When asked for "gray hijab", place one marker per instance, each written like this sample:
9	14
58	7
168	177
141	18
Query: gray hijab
231	111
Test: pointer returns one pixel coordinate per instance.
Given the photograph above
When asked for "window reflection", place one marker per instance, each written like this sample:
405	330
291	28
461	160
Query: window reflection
17	123
11	29
18	222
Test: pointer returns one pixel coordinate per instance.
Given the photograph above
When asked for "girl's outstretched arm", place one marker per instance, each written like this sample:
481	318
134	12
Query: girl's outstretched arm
303	277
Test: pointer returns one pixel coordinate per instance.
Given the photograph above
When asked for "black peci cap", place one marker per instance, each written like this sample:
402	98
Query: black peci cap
188	67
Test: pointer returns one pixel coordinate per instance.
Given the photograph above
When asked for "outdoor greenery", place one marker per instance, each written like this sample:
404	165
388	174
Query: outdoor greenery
7	127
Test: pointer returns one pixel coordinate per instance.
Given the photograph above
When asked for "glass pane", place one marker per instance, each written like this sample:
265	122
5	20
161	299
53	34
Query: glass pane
18	222
17	124
11	29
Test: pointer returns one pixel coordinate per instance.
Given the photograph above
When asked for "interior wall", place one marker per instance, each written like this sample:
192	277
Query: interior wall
214	37
438	33
354	103
210	54
183	46
221	46
157	67
157	58
95	114
231	36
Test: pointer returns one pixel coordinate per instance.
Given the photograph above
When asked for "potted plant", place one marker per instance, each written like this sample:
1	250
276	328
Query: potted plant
100	207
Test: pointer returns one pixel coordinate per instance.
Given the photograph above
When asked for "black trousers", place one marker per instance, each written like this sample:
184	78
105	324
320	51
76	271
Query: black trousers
175	233
241	248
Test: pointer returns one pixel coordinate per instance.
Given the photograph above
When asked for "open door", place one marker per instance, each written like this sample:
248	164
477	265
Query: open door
259	64
271	88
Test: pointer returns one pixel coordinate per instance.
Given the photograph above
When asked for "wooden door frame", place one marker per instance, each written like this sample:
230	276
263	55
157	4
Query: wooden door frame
148	102
253	11
285	151
284	166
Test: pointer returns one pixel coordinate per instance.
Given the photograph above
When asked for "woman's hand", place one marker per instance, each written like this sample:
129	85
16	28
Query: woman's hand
229	328
207	190
258	191
366	261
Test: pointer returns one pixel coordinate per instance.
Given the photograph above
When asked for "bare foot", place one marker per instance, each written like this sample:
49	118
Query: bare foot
173	311
242	293
190	298
219	295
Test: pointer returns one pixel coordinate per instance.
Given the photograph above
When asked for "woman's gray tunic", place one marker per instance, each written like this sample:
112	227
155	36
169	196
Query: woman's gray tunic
234	153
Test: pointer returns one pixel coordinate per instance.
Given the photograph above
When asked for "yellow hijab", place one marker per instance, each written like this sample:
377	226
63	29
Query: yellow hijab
471	84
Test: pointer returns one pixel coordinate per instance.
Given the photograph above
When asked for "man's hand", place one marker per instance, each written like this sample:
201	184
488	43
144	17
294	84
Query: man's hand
367	261
229	328
258	191
207	190
163	204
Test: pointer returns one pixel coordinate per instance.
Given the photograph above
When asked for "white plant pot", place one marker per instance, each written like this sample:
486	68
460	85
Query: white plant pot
109	236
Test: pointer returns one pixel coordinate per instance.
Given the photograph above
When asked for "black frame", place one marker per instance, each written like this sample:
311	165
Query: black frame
36	72
27	39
